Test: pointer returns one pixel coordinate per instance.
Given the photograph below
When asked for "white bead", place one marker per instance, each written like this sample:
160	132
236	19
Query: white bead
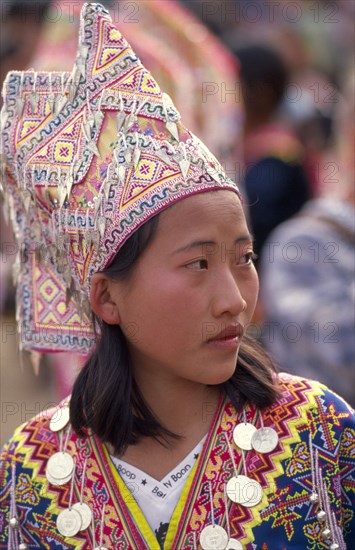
14	523
334	546
23	546
314	497
326	534
321	515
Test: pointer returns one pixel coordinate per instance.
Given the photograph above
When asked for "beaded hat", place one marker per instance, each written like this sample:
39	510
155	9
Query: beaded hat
87	158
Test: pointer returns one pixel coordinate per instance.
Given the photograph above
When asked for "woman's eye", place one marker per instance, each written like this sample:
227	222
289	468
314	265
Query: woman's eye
198	264
248	258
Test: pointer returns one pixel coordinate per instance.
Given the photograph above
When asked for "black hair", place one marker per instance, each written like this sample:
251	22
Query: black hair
106	399
262	72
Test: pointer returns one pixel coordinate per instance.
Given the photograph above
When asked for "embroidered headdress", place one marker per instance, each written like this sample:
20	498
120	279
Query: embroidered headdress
87	158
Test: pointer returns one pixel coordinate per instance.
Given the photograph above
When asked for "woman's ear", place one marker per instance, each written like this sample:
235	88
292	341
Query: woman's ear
102	300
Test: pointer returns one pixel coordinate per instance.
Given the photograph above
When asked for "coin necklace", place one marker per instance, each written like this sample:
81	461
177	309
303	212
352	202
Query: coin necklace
252	492
100	547
60	466
69	520
241	489
247	437
243	433
265	439
233	544
81	507
60	418
234	484
213	536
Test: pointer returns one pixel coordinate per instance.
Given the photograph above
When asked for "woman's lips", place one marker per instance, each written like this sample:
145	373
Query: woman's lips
230	343
227	339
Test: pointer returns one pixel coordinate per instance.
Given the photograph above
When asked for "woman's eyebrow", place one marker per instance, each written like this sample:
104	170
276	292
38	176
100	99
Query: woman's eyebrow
199	243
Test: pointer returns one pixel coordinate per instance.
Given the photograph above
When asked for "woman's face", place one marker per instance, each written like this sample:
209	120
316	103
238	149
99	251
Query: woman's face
192	293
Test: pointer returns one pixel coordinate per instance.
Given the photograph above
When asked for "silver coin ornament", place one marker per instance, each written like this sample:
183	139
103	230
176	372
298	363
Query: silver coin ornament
85	513
234	488
234	544
22	546
58	482
100	548
60	465
69	522
242	435
245	491
60	419
213	537
264	440
252	494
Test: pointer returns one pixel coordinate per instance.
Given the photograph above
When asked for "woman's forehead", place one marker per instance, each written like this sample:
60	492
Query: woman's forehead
203	208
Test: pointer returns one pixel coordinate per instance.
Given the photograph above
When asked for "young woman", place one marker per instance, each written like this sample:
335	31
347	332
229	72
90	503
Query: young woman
179	433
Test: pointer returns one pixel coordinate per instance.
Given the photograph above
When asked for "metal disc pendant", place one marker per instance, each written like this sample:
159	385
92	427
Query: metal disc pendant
252	493
213	537
55	481
69	522
234	544
265	440
234	488
245	491
242	435
60	465
60	419
85	513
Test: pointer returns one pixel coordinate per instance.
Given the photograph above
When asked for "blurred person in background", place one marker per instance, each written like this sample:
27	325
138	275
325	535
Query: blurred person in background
20	26
315	40
308	276
311	98
276	185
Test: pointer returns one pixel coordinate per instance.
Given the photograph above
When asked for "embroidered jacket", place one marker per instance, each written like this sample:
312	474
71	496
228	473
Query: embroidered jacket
315	455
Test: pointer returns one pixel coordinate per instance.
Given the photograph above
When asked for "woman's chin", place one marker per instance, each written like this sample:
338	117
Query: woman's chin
220	375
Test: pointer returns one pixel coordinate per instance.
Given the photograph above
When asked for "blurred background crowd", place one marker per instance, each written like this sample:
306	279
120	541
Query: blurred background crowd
269	87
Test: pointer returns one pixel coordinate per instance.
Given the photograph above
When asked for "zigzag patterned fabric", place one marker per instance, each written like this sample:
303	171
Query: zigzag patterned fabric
189	62
90	156
315	455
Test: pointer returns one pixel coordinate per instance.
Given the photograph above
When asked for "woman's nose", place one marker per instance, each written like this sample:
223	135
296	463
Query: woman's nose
228	298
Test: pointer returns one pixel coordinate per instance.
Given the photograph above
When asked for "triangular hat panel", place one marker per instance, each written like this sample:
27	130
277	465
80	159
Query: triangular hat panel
90	156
